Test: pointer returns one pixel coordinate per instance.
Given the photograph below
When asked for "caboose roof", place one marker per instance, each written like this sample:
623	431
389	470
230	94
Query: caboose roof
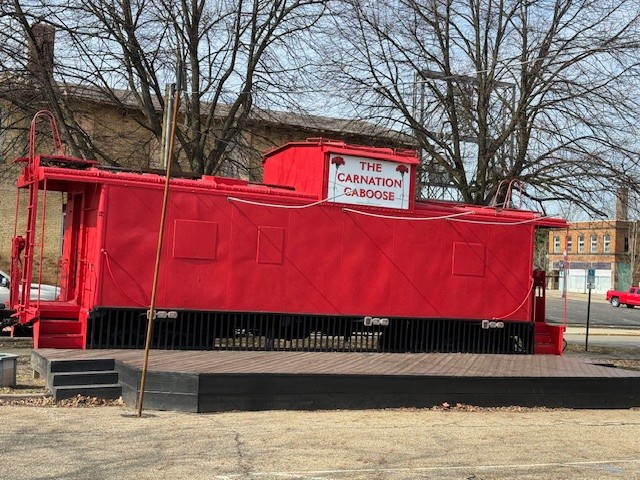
409	157
61	172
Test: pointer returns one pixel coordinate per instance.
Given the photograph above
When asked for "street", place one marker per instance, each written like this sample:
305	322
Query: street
602	313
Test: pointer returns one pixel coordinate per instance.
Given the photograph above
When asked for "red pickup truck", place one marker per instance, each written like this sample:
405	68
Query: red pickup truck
630	298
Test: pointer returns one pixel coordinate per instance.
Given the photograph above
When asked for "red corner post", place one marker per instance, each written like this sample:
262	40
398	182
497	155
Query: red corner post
548	338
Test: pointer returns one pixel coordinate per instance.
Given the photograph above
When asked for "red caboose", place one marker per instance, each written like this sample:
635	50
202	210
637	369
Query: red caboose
331	252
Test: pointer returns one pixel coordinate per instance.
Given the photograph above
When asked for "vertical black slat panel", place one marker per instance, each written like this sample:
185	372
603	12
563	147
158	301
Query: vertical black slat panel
115	342
104	328
121	327
206	318
494	341
335	337
159	332
219	328
298	335
90	328
247	330
107	340
139	324
243	332
174	332
269	332
98	328
111	336
456	332
428	328
255	326
216	328
475	331
193	338
434	335
415	335
485	341
229	331
196	334
344	327
420	345
195	331
262	328
187	338
204	325
128	328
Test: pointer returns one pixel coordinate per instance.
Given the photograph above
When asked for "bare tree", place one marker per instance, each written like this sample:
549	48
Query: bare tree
536	91
123	52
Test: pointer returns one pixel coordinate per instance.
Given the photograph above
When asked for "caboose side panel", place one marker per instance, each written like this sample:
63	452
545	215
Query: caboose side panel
226	255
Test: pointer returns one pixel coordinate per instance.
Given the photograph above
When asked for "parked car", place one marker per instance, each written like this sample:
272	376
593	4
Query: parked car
47	292
630	298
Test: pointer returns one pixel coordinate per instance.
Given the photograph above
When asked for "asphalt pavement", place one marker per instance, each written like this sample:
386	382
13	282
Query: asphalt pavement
608	326
601	313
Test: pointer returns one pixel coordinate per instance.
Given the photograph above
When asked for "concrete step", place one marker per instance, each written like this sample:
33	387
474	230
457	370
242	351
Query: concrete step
106	377
108	392
88	365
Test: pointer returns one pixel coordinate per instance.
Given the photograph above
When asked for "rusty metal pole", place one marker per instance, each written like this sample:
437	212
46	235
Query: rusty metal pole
151	312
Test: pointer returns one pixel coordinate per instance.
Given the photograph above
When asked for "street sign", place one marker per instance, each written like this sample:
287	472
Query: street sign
591	278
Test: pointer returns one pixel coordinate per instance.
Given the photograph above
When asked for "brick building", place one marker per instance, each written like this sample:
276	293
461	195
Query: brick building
610	247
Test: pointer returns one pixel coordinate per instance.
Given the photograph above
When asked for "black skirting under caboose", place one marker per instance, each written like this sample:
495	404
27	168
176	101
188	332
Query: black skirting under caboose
110	327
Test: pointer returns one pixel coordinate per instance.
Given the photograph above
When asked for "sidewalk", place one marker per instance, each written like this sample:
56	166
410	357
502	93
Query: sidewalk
595	297
603	331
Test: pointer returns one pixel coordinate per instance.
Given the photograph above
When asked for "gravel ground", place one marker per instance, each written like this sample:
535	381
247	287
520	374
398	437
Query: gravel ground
467	444
42	439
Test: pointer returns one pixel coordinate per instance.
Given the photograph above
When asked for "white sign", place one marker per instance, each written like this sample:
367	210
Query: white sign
364	181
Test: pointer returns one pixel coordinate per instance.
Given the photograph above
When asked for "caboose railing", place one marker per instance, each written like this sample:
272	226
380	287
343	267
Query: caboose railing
27	244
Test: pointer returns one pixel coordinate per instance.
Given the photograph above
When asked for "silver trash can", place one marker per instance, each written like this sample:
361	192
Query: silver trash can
8	369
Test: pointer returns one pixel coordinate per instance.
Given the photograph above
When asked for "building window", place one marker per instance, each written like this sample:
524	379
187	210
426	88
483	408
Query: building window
626	244
556	244
569	244
580	243
594	243
607	244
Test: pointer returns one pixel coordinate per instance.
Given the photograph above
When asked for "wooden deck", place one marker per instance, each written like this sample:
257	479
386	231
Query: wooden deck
240	380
